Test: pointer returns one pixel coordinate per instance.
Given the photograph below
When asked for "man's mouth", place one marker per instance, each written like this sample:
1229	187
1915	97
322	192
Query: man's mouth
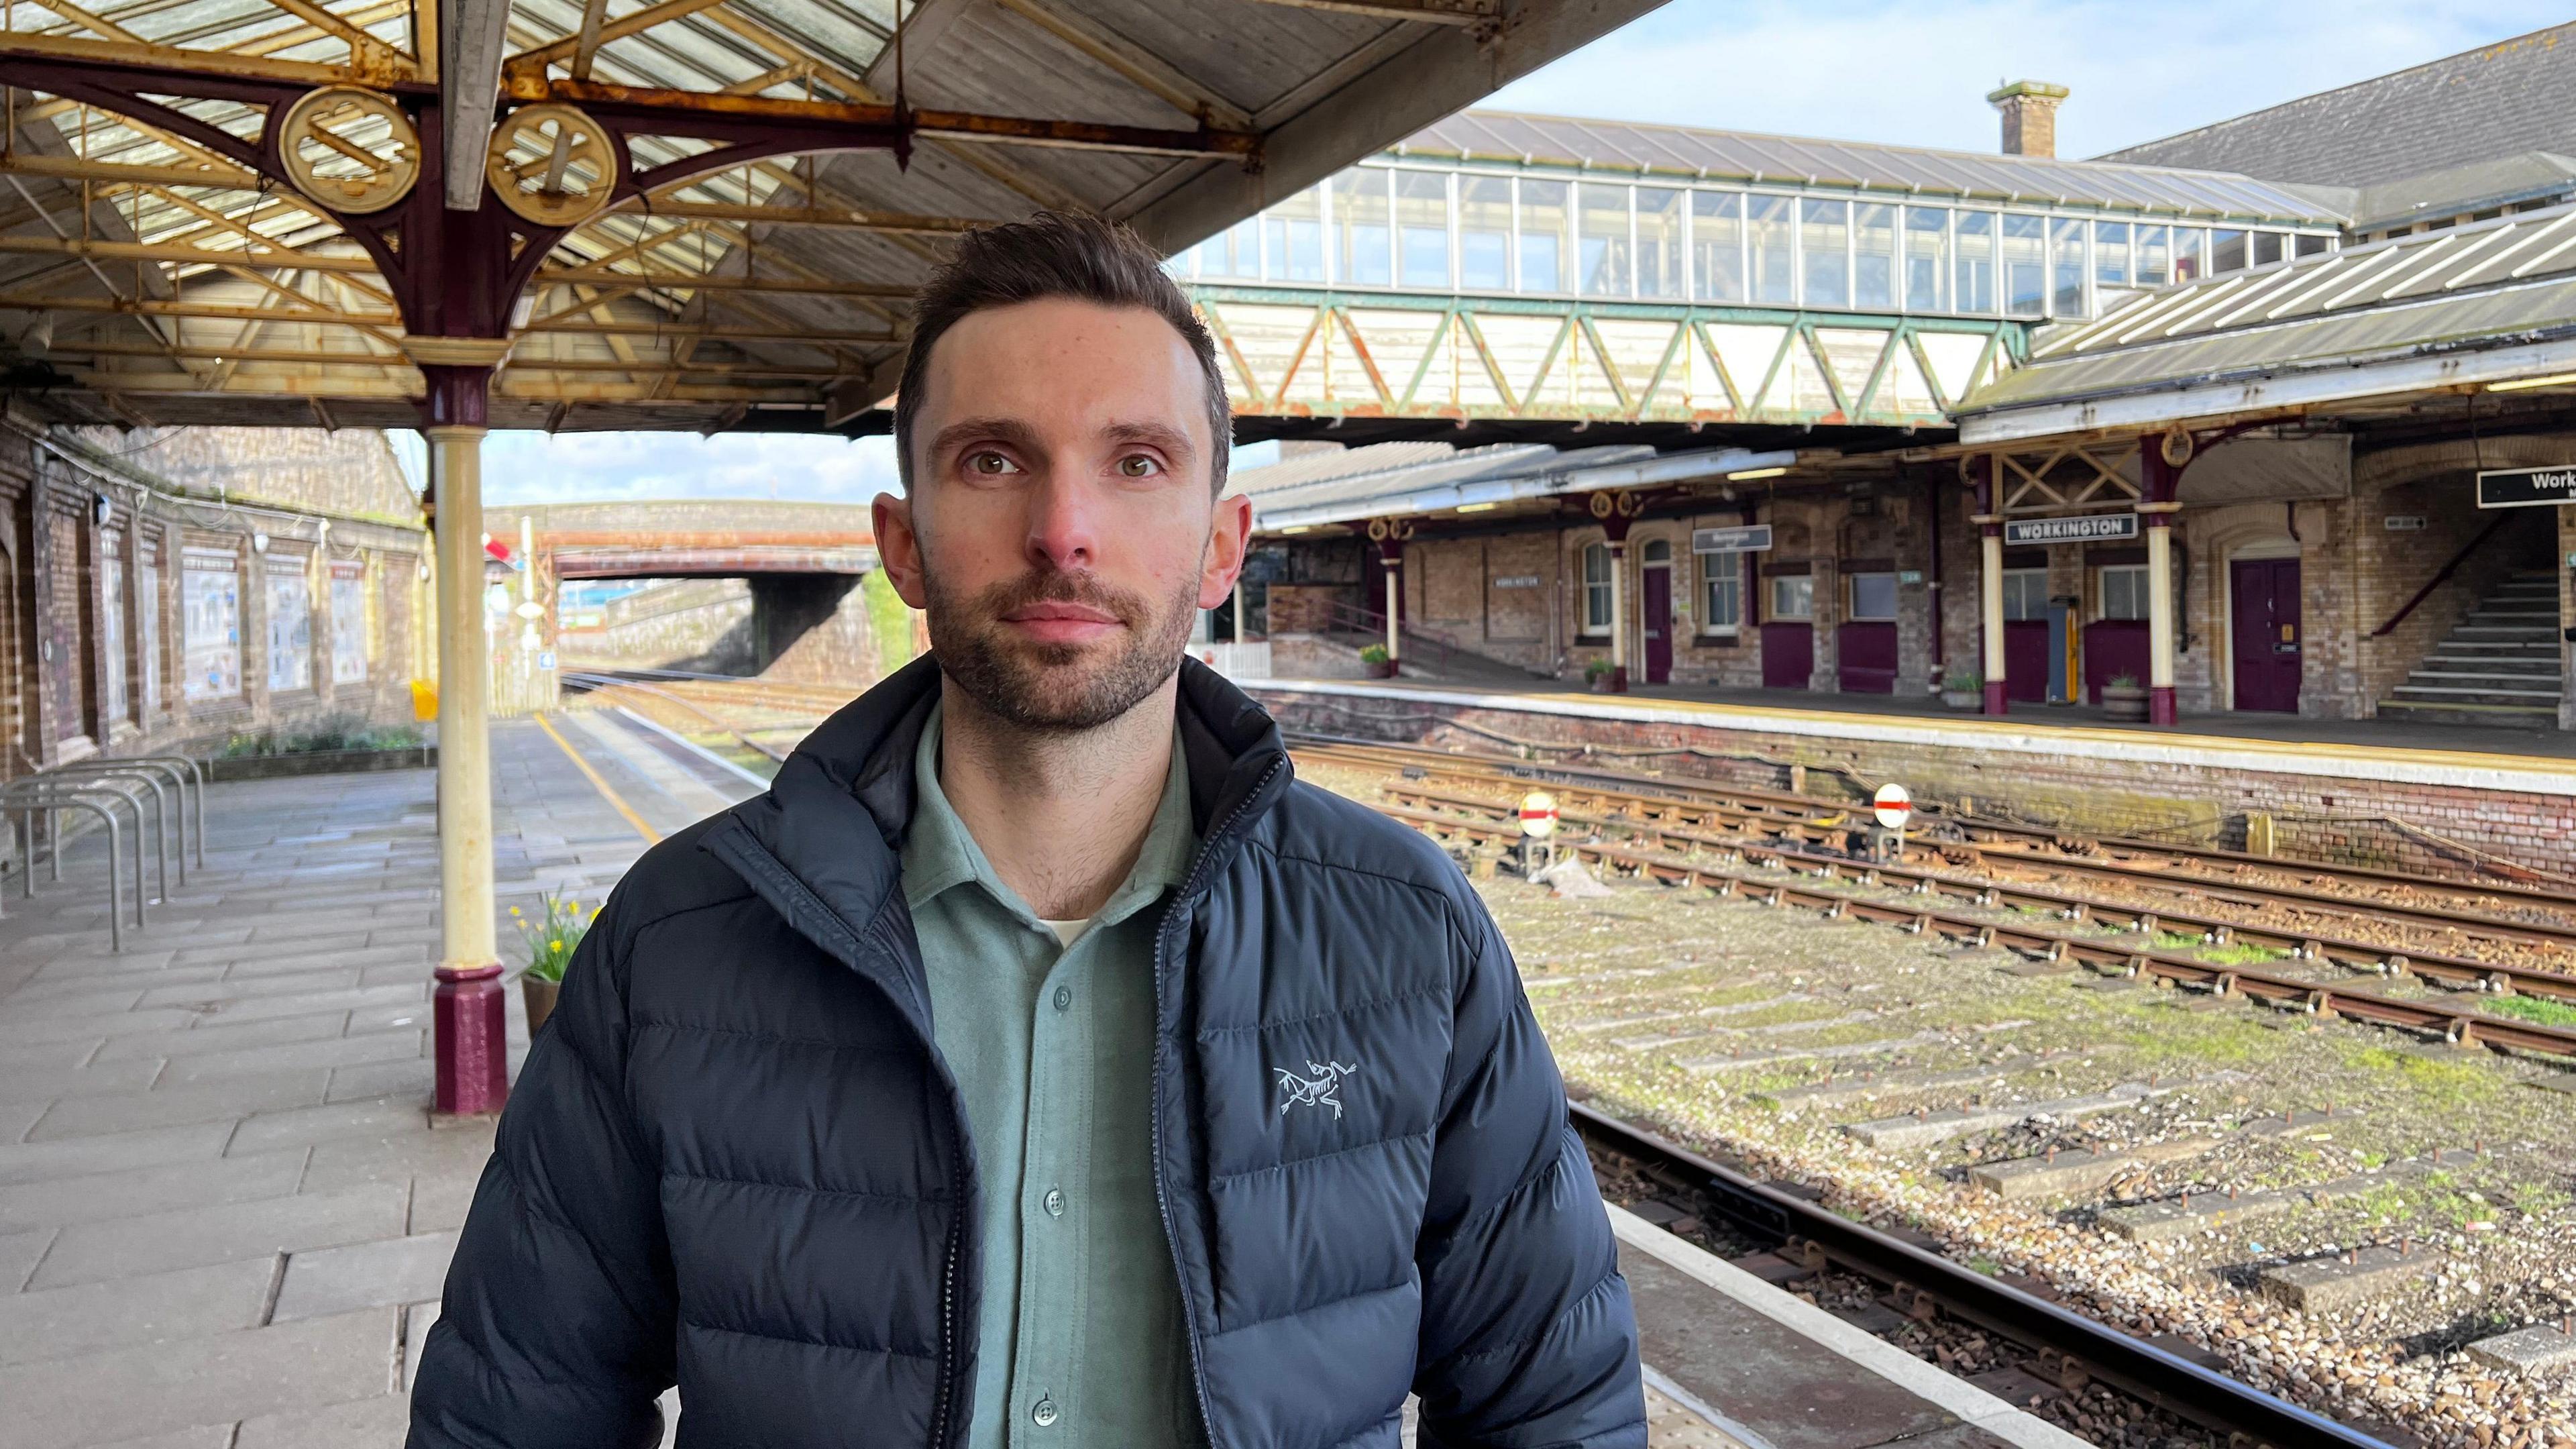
1056	621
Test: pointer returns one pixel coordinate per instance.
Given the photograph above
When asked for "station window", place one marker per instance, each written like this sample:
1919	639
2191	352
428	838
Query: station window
1362	244
2025	594
1874	257
2025	265
1596	588
2267	248
1927	259
2154	256
2066	267
1485	233
2316	245
2226	252
1603	260
1771	265
1293	238
1873	597
1717	246
1721	586
1793	598
2190	253
1824	242
1544	254
1976	269
210	633
1659	242
2124	591
2111	253
111	620
1422	227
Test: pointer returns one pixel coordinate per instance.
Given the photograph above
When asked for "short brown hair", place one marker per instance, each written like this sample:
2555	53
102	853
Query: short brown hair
1054	254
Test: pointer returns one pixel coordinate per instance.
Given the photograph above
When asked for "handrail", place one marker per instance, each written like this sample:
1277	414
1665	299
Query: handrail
1356	619
2439	579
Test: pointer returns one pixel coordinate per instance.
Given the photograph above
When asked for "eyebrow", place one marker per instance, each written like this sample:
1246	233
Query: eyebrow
1170	439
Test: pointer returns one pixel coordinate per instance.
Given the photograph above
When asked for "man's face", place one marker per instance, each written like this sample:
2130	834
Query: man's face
1059	533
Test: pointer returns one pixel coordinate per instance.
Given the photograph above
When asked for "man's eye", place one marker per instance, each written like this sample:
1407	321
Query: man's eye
990	464
1138	466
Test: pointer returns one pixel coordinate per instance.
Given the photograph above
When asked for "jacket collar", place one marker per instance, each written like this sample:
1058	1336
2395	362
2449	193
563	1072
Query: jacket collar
829	832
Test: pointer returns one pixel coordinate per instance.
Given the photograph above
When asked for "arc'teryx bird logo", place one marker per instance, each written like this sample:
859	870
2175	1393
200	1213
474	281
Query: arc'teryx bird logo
1323	1089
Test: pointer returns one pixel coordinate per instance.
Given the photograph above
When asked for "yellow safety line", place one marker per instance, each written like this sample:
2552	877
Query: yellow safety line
651	836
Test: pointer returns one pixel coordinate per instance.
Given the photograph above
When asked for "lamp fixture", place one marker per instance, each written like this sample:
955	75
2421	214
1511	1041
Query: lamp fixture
2555	379
1757	473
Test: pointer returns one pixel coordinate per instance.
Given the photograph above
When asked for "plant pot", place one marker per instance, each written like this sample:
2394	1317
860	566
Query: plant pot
2124	704
1964	699
1381	668
540	997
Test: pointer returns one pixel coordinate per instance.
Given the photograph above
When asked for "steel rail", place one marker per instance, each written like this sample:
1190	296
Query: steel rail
2459	1028
597	683
2215	930
1771	805
2176	1384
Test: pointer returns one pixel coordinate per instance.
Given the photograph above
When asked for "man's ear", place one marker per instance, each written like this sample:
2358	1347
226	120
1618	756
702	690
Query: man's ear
899	548
1229	535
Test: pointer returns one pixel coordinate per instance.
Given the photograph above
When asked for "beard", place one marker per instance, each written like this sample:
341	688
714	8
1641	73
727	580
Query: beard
1057	688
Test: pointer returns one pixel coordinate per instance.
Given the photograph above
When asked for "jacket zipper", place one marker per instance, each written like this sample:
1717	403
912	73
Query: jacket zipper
1162	1195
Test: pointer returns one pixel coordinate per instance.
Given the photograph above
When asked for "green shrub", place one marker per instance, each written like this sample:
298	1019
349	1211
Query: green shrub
1373	654
338	732
553	936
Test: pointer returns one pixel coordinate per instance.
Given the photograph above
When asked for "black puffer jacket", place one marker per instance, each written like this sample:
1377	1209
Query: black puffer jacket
736	1161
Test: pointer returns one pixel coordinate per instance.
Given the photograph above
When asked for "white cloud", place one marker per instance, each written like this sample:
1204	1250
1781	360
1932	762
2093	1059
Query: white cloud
530	467
1917	74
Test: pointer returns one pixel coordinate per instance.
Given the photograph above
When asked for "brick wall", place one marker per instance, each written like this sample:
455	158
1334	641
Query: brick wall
94	644
2325	817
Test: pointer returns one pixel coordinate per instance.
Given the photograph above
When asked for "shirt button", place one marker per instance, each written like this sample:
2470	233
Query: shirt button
1064	998
1054	1201
1043	1412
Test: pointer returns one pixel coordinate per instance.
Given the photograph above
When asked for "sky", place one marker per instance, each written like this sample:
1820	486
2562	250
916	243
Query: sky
1870	70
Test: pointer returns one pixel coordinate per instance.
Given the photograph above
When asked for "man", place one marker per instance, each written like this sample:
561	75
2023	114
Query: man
1037	1064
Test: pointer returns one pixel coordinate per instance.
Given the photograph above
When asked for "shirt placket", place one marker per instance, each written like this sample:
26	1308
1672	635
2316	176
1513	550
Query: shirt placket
1054	1207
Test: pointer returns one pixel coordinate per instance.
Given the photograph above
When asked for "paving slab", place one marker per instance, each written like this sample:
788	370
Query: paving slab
1897	1134
202	1037
2540	1349
2057	1176
78	1156
257	1229
321	1052
188	1383
380	1422
103	1196
20	1252
392	1271
223	1099
305	1126
43	1085
190	1302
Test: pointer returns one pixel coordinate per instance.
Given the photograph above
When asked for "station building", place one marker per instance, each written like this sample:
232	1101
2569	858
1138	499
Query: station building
169	589
1843	418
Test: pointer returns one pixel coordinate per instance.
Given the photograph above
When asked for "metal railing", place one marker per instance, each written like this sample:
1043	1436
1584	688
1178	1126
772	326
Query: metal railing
34	808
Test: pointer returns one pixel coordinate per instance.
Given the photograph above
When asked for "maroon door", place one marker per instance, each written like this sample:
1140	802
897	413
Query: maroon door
1657	616
1788	655
1865	658
2026	660
2265	633
2113	647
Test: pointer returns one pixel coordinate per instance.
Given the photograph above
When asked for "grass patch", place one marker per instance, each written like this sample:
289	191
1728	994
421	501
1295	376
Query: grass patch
2443	1082
890	620
2241	953
2535	1008
2173	941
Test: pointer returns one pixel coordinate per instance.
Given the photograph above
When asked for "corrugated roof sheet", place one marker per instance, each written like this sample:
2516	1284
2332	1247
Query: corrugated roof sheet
2498	283
1745	156
2516	95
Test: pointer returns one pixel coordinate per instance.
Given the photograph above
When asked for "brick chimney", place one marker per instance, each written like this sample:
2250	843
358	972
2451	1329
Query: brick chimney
2030	116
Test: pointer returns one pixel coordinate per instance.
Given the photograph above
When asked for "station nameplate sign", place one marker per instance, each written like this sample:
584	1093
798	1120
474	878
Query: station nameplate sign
2526	487
1745	538
2083	528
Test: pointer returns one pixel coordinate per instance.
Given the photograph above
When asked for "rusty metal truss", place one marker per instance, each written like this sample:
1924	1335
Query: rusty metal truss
2072	478
1294	352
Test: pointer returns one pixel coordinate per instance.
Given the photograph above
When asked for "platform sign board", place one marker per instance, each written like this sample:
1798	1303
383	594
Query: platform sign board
1893	806
2526	487
2082	528
1744	538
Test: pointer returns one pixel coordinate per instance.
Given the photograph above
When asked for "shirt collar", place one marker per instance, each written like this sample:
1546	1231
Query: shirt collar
940	853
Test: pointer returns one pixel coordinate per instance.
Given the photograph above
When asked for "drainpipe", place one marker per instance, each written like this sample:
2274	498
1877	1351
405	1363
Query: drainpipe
1990	586
1932	575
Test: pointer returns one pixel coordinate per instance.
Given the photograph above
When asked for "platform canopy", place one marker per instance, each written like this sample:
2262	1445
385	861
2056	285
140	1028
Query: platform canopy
2399	330
699	214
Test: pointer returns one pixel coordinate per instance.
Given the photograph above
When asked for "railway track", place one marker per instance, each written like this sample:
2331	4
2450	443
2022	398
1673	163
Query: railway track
2083	1347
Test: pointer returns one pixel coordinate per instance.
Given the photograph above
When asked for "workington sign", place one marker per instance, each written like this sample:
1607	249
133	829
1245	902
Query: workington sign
2526	487
2084	528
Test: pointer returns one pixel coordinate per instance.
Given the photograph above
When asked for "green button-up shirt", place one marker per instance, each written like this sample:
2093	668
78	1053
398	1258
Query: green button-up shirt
1083	1345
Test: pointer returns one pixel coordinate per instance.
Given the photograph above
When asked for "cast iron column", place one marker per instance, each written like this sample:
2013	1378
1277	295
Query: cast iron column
467	1003
1990	578
2157	479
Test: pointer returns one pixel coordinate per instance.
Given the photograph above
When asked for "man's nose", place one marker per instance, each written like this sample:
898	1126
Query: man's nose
1062	529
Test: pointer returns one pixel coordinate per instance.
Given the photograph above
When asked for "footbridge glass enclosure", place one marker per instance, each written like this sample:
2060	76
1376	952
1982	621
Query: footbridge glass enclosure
1510	266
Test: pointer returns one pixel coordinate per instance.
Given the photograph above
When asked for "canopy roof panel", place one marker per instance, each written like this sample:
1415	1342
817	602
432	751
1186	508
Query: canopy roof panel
1681	151
2441	310
149	274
